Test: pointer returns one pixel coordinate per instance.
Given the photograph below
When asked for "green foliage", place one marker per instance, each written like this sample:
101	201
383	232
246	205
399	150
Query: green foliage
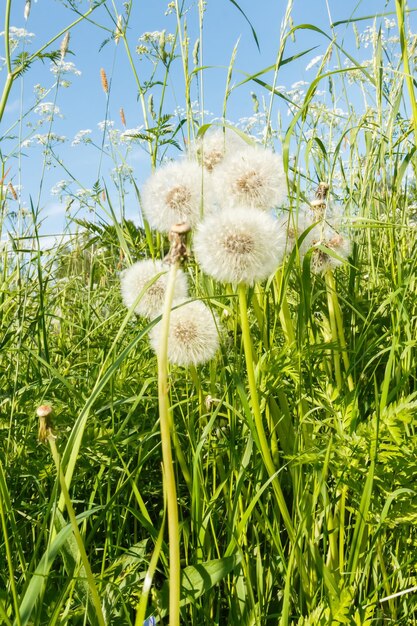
329	537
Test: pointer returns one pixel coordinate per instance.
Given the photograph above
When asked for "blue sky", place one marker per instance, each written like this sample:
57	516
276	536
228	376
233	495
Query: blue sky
83	104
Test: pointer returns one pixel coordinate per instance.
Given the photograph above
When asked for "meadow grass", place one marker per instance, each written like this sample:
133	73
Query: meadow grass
294	450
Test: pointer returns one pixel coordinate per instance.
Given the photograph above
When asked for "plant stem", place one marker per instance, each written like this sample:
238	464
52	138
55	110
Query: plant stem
9	554
165	420
71	513
400	8
336	321
262	439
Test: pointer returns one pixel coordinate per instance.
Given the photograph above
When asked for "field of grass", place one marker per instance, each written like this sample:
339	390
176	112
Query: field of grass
273	483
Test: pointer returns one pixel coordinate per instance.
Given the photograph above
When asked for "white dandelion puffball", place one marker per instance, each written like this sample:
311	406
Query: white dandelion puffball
239	246
193	337
210	149
174	194
140	277
336	243
253	177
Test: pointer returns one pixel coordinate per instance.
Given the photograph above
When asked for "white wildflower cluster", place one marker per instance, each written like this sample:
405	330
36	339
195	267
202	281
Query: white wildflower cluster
105	125
18	36
131	134
196	111
121	173
48	110
82	136
64	67
256	126
315	61
155	44
60	187
46	139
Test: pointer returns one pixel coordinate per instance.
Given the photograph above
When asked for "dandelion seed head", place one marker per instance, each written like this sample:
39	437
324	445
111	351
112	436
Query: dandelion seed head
193	337
321	261
252	177
239	246
140	277
174	194
210	149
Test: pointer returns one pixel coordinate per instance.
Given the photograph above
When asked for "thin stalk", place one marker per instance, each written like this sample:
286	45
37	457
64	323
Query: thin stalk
71	514
140	91
9	556
334	334
254	399
400	8
7	37
165	420
284	311
147	583
342	513
331	286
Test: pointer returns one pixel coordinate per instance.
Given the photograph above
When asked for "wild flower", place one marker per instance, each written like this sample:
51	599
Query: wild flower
48	110
64	67
49	138
122	172
82	137
174	194
131	135
60	187
19	34
193	337
314	61
253	177
143	277
105	125
211	149
240	246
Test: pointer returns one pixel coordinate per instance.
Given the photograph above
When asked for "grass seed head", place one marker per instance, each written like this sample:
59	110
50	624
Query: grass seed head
64	45
104	81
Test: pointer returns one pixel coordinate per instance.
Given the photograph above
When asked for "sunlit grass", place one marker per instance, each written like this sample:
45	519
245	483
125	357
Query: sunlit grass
294	450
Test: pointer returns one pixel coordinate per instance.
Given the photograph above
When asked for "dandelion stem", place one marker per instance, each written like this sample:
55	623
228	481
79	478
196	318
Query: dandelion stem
71	514
262	439
168	469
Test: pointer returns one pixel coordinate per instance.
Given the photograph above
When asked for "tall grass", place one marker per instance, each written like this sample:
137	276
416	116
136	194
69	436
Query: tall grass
294	451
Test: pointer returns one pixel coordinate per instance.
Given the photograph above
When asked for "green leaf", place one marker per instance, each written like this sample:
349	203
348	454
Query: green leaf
248	21
40	574
196	580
